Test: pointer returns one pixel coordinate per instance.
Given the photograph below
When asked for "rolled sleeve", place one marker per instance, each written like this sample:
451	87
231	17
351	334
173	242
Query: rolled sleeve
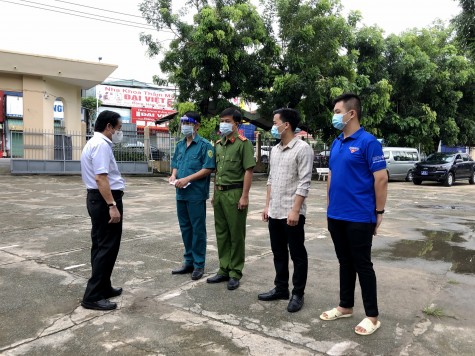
305	165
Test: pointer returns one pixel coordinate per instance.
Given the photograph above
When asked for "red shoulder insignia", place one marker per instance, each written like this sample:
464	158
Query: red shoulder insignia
242	138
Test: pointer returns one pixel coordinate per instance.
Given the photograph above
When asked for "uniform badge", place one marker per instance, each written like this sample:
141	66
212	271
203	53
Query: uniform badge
354	149
210	153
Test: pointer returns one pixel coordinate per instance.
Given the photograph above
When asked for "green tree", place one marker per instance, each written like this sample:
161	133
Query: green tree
226	52
91	104
465	26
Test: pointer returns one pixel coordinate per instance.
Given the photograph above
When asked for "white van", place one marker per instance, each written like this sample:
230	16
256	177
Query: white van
400	162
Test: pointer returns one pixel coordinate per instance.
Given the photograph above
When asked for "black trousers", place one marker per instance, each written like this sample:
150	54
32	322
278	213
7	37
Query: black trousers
353	243
105	244
285	238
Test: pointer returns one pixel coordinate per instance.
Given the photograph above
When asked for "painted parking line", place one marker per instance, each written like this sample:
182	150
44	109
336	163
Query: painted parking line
74	266
5	247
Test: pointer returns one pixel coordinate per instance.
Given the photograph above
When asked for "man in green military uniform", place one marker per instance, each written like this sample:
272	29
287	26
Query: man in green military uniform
234	165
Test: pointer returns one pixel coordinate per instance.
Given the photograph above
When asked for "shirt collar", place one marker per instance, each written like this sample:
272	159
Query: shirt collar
101	135
289	145
195	139
354	136
232	138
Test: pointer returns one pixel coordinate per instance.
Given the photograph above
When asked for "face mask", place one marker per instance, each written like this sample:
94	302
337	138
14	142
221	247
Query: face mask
187	130
338	122
117	136
275	131
225	128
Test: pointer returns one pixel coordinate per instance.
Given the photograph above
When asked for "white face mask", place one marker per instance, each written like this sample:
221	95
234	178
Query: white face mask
117	136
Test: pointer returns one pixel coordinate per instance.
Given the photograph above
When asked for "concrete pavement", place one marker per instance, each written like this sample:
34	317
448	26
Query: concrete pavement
424	258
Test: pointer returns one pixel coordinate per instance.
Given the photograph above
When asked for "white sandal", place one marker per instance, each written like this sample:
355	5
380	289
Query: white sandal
368	326
334	314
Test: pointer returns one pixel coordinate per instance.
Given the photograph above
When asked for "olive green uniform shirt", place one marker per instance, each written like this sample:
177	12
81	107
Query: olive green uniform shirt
233	157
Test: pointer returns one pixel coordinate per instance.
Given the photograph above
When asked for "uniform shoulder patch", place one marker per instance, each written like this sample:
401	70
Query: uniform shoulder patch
210	153
242	138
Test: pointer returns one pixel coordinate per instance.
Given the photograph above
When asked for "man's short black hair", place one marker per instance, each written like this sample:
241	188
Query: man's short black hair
236	114
351	101
104	118
193	115
289	115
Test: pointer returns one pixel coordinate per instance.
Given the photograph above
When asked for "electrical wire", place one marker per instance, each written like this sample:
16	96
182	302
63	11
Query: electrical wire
96	8
85	13
86	17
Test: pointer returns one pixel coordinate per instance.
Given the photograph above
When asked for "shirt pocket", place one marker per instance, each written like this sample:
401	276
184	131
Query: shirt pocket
195	162
232	164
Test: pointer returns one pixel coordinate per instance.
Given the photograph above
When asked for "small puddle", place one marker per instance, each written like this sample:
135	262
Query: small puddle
437	246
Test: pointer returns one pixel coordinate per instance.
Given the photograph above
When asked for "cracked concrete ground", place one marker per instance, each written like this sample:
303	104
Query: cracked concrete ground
424	258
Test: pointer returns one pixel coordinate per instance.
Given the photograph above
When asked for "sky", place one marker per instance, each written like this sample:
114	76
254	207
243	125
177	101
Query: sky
26	28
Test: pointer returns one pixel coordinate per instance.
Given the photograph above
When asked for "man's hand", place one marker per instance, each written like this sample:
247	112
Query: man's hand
114	214
265	214
181	183
172	179
243	203
293	218
379	220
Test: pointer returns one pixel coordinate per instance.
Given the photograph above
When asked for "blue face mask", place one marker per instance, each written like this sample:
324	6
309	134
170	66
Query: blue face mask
187	130
275	131
225	128
338	122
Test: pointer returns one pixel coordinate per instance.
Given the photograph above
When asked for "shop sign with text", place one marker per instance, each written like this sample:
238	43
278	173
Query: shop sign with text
136	97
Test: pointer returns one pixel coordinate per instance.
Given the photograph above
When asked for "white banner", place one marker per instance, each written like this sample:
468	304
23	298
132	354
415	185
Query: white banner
135	97
14	106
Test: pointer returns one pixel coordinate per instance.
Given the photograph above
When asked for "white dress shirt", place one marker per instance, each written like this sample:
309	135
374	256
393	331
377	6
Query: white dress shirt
290	175
97	158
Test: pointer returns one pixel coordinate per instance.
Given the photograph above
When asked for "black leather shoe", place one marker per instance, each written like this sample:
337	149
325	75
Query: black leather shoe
102	304
197	273
295	304
274	294
218	278
183	270
114	292
233	283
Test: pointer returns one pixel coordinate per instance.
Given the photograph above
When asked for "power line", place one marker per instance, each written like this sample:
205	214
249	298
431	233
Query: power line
96	8
87	17
85	13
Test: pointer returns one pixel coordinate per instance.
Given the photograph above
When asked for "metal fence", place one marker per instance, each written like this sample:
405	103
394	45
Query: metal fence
36	151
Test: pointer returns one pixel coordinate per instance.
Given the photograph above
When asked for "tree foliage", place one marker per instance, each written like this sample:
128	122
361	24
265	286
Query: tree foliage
417	87
226	52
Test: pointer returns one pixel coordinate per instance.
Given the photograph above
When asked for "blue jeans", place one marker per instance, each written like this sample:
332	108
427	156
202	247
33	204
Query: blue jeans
192	220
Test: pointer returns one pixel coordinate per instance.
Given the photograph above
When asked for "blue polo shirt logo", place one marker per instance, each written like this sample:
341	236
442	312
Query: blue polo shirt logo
354	149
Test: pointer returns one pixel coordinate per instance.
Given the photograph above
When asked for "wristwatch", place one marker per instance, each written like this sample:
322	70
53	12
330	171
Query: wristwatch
112	204
379	211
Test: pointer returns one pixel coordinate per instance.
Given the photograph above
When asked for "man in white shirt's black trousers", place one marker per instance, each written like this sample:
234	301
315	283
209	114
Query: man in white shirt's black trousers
105	188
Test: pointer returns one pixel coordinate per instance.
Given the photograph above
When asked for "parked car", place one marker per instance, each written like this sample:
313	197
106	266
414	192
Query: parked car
400	162
445	168
265	153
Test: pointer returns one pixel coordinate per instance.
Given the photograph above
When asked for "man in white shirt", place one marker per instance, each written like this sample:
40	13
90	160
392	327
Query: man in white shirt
105	188
288	185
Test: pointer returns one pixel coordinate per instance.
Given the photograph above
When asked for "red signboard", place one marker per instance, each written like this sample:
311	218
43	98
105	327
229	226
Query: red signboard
2	106
143	116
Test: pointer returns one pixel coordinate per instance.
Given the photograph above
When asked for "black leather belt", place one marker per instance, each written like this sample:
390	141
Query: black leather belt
230	186
114	192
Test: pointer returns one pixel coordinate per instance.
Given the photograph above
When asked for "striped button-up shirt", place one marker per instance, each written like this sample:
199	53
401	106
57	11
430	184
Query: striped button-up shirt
290	175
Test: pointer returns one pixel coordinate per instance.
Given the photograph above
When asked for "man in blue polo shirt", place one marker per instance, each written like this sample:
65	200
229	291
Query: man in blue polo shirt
357	191
192	164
